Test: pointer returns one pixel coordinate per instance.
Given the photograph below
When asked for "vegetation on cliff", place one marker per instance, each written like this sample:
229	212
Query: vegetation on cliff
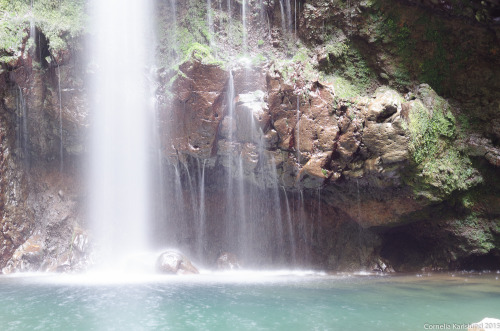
59	21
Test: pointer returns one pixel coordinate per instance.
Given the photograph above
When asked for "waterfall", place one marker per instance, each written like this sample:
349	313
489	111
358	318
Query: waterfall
295	17
210	22
283	19
22	134
173	8
244	21
297	132
202	212
120	142
288	9
286	16
291	232
277	202
61	145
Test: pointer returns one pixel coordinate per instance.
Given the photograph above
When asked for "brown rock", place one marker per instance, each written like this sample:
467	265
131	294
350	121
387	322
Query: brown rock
197	109
313	173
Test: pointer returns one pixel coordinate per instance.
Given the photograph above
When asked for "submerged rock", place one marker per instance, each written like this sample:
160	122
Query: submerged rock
173	262
228	261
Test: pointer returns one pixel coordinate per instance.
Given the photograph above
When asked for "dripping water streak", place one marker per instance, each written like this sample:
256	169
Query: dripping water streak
244	21
210	22
297	132
288	15
283	20
277	204
173	7
358	201
61	145
202	213
295	18
291	233
180	206
242	217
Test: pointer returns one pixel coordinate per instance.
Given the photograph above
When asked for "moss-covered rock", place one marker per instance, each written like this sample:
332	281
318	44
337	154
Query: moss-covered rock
440	167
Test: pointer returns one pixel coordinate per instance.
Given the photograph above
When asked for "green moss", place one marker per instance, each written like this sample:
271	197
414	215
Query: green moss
477	231
440	168
59	20
344	89
428	127
337	49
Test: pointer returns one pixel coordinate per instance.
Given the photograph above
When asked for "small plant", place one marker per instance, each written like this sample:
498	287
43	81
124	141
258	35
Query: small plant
324	172
260	42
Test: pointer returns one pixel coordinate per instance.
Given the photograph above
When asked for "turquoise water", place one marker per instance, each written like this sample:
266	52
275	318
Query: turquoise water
246	301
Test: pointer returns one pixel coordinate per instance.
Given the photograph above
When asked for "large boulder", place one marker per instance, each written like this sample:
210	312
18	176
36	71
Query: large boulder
173	262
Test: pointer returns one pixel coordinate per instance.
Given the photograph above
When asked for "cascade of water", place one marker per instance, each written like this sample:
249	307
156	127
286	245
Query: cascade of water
283	19
288	9
306	234
242	218
193	200
277	204
291	232
119	194
175	45
202	213
179	199
295	17
230	207
230	18
22	127
61	145
210	22
297	132
358	200
244	21
32	24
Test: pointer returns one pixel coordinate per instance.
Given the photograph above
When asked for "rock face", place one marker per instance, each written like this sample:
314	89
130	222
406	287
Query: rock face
43	114
172	262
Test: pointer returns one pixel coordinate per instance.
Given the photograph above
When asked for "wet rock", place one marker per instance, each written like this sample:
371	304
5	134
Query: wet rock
197	108
381	266
252	117
27	257
173	262
228	261
313	173
384	134
476	145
